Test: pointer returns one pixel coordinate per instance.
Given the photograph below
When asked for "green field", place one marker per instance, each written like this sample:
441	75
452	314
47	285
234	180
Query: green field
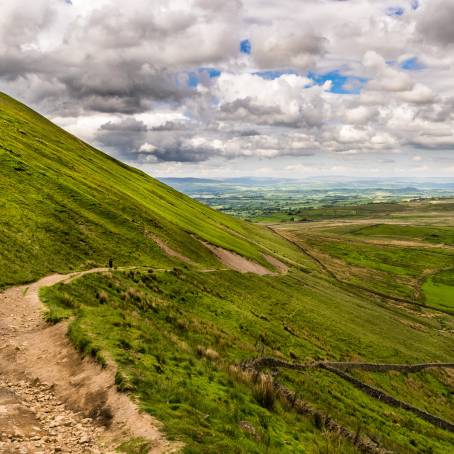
399	255
375	286
439	290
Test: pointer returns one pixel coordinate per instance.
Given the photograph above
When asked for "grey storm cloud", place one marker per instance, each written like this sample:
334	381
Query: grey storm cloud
436	25
130	137
125	137
180	152
171	126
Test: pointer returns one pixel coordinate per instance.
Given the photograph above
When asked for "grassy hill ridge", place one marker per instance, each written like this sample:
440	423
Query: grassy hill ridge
66	205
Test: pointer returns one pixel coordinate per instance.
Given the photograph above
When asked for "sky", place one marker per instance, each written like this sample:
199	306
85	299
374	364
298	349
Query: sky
216	88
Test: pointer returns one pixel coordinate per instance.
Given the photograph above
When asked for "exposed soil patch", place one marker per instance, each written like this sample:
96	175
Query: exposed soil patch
169	251
51	400
237	262
280	267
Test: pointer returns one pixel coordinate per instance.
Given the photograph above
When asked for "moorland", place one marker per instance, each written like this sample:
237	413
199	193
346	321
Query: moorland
334	305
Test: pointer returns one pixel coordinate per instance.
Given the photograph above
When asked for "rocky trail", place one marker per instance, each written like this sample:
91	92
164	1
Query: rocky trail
52	400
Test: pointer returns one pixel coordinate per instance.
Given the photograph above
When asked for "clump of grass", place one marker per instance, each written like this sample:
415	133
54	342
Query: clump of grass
136	445
59	309
208	353
123	382
240	374
54	316
332	443
84	344
132	294
68	301
264	391
103	297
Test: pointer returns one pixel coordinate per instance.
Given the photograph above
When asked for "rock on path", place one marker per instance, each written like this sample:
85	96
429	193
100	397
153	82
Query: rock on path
33	420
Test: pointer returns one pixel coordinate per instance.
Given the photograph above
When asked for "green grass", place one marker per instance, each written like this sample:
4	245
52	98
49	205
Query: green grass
162	328
431	234
367	254
358	209
439	291
399	261
428	390
135	446
334	211
68	206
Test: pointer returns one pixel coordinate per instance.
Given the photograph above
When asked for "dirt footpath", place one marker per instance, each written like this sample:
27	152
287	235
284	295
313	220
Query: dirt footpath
52	401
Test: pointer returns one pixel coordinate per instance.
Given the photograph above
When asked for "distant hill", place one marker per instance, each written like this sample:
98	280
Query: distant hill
245	181
397	183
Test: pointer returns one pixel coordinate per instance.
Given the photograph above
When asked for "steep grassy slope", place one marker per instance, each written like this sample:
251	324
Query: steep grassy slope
65	205
176	335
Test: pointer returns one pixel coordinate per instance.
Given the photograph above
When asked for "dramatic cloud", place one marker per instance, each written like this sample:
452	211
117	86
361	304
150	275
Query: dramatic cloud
197	85
436	24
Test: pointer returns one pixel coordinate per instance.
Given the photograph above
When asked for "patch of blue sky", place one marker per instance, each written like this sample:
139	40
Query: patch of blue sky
212	72
245	46
340	83
194	76
395	11
415	4
271	75
412	64
193	80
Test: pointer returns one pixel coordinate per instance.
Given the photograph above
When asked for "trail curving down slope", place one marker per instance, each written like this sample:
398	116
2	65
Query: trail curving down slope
52	400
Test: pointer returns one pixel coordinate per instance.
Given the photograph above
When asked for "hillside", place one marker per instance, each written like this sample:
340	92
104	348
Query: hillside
184	329
67	206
